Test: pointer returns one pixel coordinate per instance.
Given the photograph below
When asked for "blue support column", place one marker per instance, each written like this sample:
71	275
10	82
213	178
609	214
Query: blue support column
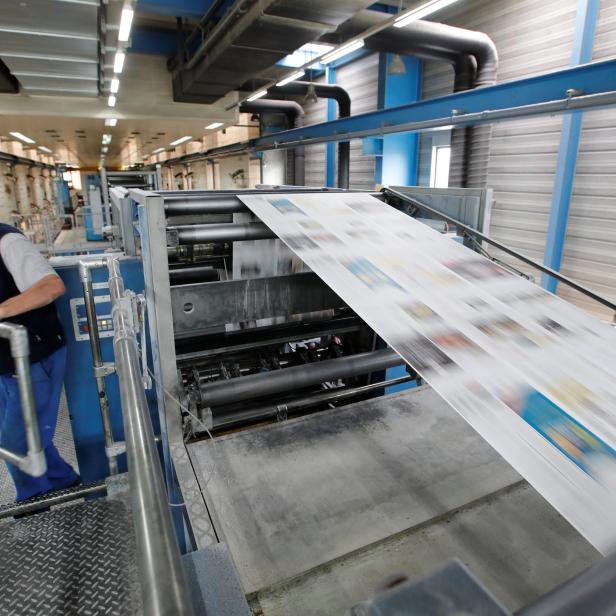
586	21
330	148
401	151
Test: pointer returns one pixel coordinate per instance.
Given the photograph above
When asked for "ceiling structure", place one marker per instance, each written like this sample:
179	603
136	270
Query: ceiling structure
60	55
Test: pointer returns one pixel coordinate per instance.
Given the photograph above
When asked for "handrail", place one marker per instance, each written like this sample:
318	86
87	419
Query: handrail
514	253
163	584
34	462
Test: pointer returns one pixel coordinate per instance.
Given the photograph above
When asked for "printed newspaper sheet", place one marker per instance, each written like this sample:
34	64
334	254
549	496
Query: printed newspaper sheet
534	375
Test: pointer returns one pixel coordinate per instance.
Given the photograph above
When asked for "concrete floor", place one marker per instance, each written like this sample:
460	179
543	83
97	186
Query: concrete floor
318	510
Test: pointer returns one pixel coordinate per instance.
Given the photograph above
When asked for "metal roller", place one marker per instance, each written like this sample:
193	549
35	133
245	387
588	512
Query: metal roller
188	275
205	204
267	383
203	234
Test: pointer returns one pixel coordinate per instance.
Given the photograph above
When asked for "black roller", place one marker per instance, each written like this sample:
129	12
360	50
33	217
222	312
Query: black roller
188	275
288	379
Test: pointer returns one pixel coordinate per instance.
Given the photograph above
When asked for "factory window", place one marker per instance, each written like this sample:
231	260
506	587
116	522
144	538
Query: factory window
439	171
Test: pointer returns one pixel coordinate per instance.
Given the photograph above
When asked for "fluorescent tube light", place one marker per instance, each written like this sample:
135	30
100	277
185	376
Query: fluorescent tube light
106	138
111	121
22	137
125	23
111	101
181	140
256	95
290	78
347	48
158	150
104	149
42	148
214	125
115	85
118	63
421	11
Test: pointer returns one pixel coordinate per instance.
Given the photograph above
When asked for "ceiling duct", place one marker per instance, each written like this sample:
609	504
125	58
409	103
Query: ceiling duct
251	37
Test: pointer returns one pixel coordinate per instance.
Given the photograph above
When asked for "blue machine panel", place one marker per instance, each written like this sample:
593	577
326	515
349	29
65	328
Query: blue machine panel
79	383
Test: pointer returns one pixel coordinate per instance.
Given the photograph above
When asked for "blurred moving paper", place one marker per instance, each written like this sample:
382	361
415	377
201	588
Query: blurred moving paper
534	375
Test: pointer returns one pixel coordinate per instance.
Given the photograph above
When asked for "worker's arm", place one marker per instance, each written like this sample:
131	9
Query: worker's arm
43	292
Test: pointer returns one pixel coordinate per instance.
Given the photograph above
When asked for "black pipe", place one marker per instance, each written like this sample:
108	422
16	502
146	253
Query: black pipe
474	58
188	275
341	96
295	114
227	420
223	232
297	377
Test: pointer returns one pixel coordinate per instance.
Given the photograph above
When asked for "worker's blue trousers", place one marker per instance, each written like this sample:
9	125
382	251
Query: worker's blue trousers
47	378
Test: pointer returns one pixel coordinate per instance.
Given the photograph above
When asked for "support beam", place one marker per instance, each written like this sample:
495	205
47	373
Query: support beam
330	148
190	9
585	26
400	151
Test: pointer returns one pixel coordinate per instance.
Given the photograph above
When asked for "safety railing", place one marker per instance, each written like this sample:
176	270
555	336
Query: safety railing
33	462
161	573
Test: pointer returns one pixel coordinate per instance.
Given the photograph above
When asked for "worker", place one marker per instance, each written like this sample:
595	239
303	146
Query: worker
28	288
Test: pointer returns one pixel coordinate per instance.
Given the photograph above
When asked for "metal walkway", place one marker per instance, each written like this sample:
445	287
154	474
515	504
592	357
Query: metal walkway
76	559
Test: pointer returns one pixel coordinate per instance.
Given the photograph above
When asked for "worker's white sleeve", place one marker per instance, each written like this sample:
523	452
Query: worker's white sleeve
23	261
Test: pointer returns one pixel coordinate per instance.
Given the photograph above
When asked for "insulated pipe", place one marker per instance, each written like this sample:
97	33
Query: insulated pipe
34	462
163	585
280	381
97	358
438	41
224	232
295	113
341	96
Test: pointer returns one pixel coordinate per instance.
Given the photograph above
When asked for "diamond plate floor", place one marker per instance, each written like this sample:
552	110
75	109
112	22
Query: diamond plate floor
75	560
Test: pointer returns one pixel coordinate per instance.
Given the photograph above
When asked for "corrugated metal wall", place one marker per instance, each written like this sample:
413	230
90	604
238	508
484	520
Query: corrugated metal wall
535	37
590	246
360	79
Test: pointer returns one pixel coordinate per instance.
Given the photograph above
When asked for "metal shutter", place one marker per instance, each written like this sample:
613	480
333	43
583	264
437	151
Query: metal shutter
590	245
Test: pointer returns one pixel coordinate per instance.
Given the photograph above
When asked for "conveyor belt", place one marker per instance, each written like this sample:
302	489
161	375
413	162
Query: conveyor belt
78	559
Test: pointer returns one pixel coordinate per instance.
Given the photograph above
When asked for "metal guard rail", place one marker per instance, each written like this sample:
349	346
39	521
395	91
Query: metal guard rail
163	585
34	462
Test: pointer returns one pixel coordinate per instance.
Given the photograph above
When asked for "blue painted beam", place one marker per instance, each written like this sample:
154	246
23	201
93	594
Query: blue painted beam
585	26
595	78
330	148
190	9
400	151
157	42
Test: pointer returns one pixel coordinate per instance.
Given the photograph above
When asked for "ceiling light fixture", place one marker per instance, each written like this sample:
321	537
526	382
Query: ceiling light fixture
42	148
181	140
118	63
214	125
256	95
290	78
104	149
125	23
111	101
158	150
107	139
404	19
114	86
22	137
111	121
347	48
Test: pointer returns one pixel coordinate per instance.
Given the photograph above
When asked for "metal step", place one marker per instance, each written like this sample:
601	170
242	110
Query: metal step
76	559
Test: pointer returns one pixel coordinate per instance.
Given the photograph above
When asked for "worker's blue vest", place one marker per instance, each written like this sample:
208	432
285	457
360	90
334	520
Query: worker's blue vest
44	328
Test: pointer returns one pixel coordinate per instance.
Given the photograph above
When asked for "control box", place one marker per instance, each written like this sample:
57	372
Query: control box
80	318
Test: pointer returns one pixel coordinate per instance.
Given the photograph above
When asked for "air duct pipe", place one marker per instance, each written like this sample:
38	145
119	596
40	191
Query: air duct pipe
341	96
475	61
295	114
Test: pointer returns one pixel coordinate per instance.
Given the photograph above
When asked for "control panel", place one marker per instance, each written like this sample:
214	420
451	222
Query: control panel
103	316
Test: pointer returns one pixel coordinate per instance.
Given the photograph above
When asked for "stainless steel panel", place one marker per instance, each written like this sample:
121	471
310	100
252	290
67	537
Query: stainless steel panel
200	306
